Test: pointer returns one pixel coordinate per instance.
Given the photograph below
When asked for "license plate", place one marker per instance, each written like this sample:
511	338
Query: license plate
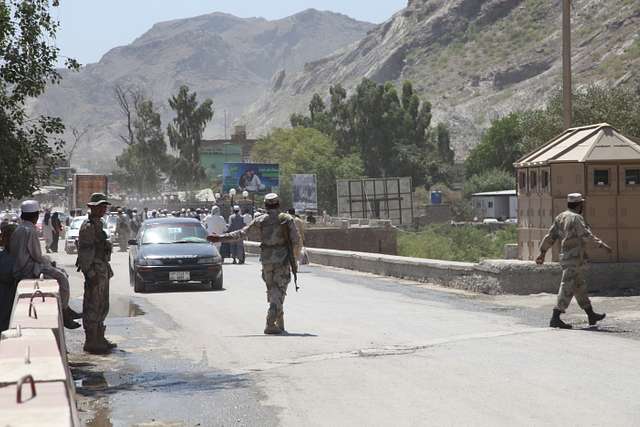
179	275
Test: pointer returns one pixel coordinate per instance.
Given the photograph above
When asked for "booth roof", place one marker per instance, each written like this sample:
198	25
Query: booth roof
595	143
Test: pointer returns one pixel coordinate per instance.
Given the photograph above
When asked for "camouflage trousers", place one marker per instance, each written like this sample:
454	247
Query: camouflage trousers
277	278
95	306
572	285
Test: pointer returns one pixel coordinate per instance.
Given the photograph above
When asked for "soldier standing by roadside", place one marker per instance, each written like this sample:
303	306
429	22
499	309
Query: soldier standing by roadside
94	254
570	228
123	229
278	235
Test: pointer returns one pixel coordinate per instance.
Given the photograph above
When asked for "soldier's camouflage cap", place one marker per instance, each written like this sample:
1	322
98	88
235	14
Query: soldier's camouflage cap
98	199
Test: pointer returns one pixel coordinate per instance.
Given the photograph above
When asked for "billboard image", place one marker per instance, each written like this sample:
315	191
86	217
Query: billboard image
305	193
258	178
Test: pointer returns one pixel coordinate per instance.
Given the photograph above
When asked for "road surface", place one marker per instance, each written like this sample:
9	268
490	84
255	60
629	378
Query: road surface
361	350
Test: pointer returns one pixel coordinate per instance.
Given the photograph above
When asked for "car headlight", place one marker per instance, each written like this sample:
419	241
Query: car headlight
207	260
150	261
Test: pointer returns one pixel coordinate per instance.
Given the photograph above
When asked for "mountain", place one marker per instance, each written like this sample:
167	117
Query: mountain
474	60
229	59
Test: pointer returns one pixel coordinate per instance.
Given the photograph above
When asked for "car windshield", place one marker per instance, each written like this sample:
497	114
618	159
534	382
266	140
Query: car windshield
77	222
174	233
112	220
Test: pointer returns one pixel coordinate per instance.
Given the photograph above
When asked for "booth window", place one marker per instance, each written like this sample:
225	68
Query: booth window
601	177
632	176
490	205
544	181
523	181
533	181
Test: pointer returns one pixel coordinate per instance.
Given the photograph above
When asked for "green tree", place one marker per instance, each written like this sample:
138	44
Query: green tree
143	162
185	135
307	151
511	137
391	133
31	146
490	180
500	147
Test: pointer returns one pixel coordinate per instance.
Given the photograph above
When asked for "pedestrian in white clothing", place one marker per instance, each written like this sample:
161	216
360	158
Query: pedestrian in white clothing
215	223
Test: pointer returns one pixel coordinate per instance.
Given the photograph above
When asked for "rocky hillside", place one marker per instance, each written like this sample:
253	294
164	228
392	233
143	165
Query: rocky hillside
474	60
230	59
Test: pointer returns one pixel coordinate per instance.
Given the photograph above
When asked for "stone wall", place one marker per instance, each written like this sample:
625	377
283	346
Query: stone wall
490	276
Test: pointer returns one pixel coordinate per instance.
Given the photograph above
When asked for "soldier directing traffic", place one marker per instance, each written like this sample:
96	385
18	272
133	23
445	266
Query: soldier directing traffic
94	254
278	235
570	228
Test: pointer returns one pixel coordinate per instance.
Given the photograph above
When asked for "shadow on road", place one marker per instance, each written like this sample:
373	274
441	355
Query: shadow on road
287	334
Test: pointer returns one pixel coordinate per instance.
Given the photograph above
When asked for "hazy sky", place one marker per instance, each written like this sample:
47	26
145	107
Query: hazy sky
89	28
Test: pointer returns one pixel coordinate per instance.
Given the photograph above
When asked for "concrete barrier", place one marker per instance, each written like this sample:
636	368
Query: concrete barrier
490	276
35	379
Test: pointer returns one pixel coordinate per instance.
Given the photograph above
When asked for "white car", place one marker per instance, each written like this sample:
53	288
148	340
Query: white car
72	231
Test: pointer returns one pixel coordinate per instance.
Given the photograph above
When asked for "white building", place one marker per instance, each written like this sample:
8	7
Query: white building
495	204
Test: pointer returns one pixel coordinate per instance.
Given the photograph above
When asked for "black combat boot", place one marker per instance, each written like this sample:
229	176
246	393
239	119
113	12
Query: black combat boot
74	314
68	321
556	322
593	316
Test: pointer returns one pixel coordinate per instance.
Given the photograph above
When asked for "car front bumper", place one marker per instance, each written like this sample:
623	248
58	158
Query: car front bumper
160	274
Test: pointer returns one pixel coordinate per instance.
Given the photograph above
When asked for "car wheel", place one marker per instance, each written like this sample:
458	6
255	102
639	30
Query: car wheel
139	286
216	285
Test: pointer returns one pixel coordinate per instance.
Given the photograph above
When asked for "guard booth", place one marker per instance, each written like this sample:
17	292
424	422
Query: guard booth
597	161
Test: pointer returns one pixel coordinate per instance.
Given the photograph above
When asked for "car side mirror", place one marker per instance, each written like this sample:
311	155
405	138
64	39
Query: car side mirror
133	242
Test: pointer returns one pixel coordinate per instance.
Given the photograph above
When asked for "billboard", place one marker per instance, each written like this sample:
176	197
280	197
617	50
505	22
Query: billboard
376	198
258	178
305	193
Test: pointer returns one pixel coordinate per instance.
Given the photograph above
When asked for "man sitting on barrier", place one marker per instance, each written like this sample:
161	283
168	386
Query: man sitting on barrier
30	264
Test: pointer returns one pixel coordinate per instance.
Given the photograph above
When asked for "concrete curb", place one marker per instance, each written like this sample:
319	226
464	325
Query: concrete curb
34	349
489	277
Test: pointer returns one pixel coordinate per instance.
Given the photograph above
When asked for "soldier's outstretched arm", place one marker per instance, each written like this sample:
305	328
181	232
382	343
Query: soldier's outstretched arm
234	235
86	247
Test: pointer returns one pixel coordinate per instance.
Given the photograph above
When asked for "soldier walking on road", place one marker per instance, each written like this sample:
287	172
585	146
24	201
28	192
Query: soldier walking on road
94	254
278	235
570	228
123	229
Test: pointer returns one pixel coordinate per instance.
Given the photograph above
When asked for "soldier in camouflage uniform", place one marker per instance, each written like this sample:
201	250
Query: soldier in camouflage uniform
570	228
123	230
275	254
94	254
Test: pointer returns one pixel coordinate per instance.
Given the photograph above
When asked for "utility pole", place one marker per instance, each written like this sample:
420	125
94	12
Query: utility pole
566	62
225	124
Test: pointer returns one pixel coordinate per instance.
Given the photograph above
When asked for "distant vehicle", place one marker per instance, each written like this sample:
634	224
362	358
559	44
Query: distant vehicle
511	221
490	221
72	231
173	251
84	185
112	221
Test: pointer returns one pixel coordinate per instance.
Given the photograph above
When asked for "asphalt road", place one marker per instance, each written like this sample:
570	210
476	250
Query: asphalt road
361	350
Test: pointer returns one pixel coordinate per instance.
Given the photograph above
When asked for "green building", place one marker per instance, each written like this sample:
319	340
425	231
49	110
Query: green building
214	153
